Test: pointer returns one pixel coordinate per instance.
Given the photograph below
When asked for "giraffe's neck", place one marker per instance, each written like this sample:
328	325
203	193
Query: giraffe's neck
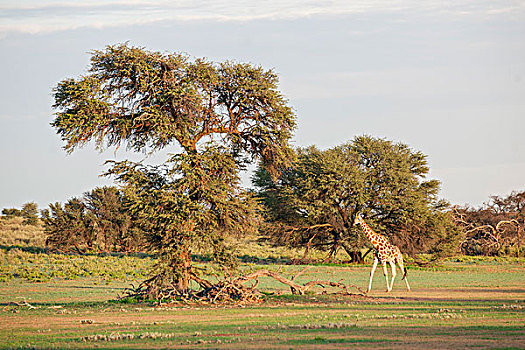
373	237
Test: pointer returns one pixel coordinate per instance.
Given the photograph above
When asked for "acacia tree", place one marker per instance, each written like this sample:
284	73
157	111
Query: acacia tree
316	200
215	117
67	227
95	222
114	228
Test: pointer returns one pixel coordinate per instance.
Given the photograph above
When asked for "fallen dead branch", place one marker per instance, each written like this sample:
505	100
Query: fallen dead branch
23	303
295	287
234	289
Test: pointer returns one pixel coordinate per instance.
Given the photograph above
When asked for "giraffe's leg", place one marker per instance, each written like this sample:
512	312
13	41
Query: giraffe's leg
385	272
406	281
393	265
374	266
403	271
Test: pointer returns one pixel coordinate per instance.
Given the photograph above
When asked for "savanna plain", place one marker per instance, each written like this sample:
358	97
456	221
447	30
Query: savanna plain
60	301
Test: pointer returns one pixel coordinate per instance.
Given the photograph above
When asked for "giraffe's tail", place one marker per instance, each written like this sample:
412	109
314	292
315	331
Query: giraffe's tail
405	273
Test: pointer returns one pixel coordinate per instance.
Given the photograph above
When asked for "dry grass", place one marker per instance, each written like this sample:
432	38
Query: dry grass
14	233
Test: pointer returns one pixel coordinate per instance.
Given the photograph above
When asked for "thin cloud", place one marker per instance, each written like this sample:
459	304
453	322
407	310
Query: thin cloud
50	16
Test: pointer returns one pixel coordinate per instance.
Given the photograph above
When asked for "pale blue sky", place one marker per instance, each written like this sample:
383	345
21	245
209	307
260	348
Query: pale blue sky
445	77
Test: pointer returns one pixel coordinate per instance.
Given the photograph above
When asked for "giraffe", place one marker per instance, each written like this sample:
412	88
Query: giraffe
384	252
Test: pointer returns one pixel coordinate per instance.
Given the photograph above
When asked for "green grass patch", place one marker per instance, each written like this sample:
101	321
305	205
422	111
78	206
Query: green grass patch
323	340
461	306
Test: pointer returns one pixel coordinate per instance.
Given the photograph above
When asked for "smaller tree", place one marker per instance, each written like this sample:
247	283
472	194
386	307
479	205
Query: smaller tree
95	222
315	201
30	213
67	227
116	229
11	212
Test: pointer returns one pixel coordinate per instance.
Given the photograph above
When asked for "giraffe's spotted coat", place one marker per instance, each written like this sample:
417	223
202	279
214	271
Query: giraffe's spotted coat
384	250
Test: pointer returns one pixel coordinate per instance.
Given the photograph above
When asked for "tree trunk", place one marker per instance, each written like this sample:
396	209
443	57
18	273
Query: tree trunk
182	284
355	255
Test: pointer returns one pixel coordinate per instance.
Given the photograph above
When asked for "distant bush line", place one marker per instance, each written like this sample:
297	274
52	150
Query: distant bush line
98	223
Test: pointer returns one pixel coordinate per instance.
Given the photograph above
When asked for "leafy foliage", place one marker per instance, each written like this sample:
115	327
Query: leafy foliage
30	213
149	99
96	222
192	201
11	212
315	201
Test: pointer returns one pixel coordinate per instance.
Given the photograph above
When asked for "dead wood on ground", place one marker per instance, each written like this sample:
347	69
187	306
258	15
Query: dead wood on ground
234	289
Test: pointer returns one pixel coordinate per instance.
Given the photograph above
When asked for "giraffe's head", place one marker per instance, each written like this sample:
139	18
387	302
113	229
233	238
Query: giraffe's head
358	219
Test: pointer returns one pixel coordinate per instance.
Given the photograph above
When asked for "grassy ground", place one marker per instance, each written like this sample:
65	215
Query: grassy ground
71	304
467	304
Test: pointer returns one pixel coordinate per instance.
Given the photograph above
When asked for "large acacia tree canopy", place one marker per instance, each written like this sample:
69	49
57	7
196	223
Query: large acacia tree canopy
219	116
150	100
